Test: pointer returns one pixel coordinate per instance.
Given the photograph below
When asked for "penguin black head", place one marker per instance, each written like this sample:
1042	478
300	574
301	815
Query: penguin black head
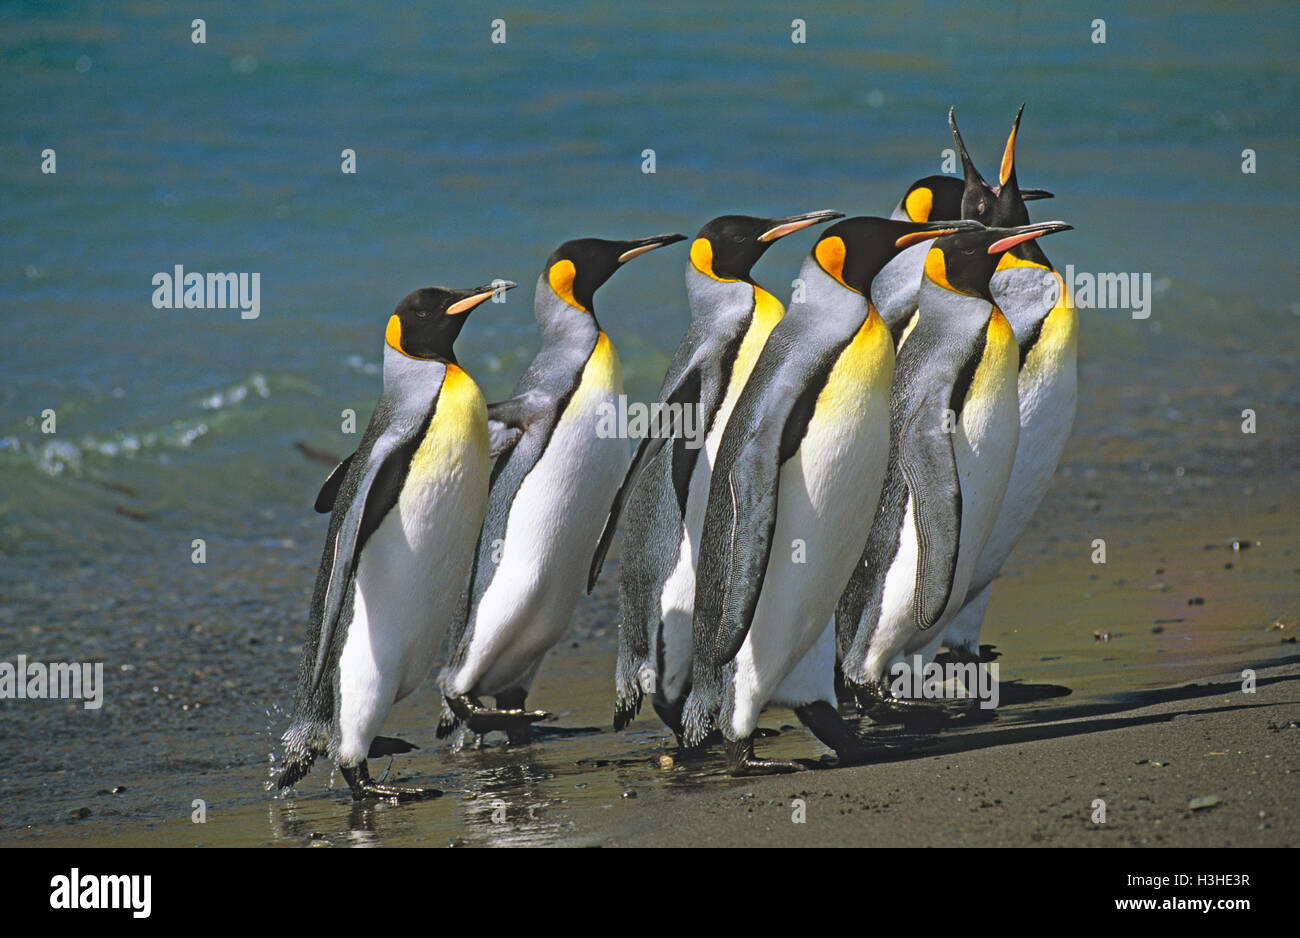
728	247
934	198
963	262
426	322
854	250
576	269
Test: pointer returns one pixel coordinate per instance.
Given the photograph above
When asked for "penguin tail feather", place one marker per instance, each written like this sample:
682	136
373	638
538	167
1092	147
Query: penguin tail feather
447	721
697	720
626	708
297	765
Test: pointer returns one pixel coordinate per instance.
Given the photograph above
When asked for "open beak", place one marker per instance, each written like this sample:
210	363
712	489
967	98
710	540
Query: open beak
1027	233
784	226
1009	153
644	245
477	295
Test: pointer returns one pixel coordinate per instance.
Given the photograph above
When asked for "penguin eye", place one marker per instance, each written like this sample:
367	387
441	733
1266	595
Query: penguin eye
738	238
422	313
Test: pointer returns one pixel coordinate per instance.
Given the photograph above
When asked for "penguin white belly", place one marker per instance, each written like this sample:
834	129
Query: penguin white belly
413	568
817	538
895	628
527	607
1047	390
673	642
984	447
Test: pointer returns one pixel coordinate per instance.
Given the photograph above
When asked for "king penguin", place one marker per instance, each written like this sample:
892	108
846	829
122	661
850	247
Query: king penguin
665	488
801	459
934	198
554	473
954	426
1033	297
405	510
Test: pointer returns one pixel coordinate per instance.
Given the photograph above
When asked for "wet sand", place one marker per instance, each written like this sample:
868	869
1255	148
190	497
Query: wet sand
1199	583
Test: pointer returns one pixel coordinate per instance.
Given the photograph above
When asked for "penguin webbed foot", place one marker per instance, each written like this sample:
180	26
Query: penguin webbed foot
827	725
365	788
741	761
923	714
516	722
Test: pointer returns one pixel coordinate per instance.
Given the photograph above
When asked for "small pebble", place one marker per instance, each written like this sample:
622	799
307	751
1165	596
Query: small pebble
1203	802
629	793
665	762
1196	601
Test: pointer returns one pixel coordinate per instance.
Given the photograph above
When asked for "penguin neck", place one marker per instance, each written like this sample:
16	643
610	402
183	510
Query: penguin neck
895	289
827	305
950	312
722	302
1026	295
560	323
403	375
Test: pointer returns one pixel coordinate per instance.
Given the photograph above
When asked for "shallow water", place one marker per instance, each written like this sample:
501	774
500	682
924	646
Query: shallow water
475	160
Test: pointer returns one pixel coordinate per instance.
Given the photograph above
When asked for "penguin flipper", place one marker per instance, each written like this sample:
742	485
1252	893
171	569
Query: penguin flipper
509	419
741	515
329	492
686	393
929	466
373	496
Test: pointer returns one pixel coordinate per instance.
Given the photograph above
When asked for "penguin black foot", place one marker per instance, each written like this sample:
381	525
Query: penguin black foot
382	746
364	787
670	714
828	726
742	761
986	654
480	719
924	715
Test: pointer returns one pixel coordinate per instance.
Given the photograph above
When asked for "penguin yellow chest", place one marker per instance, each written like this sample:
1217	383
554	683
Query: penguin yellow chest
767	313
454	451
856	395
1054	353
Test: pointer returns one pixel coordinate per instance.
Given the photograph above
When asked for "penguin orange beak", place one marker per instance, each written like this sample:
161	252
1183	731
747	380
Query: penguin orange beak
643	245
1027	233
789	225
477	295
937	230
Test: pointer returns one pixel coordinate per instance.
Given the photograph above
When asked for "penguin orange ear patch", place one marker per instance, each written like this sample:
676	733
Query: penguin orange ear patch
560	277
830	255
393	334
919	204
936	268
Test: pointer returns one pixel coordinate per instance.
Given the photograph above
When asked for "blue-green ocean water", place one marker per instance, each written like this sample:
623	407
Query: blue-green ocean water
476	159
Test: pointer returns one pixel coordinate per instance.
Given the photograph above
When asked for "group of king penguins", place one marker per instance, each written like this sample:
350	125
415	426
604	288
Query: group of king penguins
899	423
